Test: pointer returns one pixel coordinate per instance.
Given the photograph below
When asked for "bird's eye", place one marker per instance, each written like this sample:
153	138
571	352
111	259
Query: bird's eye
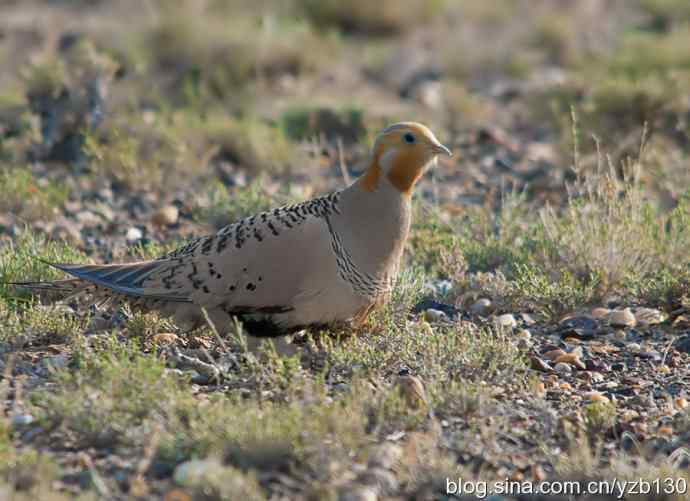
409	138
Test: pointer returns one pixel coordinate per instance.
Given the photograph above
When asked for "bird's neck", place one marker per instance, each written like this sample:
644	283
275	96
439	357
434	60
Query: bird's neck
370	181
376	242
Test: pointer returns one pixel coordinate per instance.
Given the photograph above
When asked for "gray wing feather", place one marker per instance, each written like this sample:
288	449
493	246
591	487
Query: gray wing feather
124	278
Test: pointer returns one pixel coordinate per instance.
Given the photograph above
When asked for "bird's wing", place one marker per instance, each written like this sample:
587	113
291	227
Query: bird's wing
258	264
125	279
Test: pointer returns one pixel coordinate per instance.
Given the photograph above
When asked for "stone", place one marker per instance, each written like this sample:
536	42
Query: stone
358	493
433	315
584	322
622	318
681	322
481	307
166	216
563	368
570	359
524	335
646	317
634	347
538	364
426	304
682	344
600	313
527	319
412	390
620	335
581	327
195	471
134	234
88	219
595	396
553	354
21	420
166	339
56	362
506	321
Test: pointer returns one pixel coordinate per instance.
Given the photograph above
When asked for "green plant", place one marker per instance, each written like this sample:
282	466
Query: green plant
22	194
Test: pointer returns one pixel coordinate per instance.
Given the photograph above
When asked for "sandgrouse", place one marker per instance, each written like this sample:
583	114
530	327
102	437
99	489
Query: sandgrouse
326	260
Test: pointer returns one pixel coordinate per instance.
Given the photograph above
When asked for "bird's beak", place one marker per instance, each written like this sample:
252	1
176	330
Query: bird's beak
438	148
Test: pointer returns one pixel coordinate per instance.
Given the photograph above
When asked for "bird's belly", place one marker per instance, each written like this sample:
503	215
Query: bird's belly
336	303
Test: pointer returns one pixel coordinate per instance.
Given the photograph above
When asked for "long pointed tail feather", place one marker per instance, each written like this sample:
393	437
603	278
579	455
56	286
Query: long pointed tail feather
67	285
126	279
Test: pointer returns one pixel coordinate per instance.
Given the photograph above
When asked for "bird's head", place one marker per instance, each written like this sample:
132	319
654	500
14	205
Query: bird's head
401	155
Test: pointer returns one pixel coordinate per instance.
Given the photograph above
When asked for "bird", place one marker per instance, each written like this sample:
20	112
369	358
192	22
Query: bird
328	260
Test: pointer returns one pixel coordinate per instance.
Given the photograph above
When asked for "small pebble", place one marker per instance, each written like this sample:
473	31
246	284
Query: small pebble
622	318
578	351
648	316
481	307
651	355
596	396
538	473
166	216
166	338
553	354
56	362
506	320
681	322
524	344
195	471
539	365
600	313
443	287
412	390
563	368
433	315
682	344
634	347
359	493
665	430
134	234
88	219
579	325
524	334
21	420
527	319
540	389
570	359
629	415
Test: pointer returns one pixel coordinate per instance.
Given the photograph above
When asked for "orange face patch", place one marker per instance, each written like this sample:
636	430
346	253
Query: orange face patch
407	168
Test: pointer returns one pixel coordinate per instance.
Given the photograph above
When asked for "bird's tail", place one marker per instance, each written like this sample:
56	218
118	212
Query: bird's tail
67	286
127	280
56	289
